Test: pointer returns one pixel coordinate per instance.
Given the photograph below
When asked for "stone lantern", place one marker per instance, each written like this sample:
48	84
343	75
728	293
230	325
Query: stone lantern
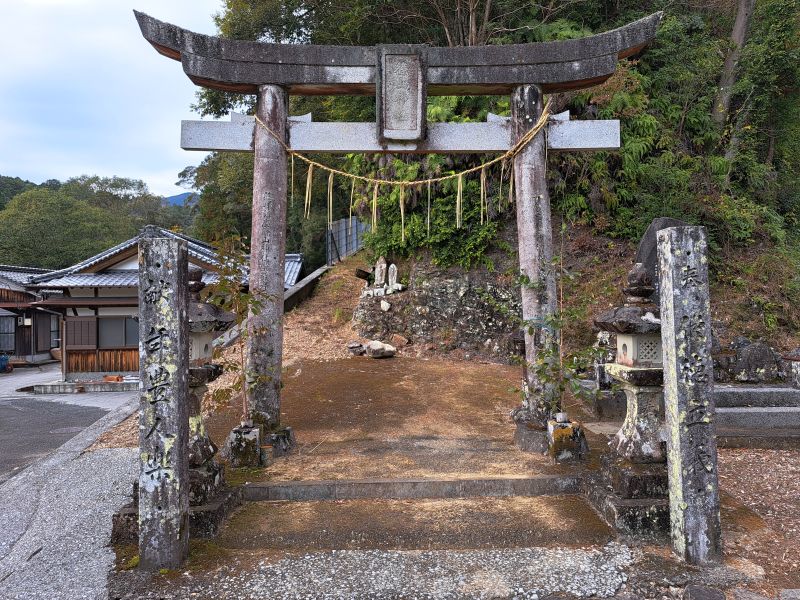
205	320
633	493
205	473
638	369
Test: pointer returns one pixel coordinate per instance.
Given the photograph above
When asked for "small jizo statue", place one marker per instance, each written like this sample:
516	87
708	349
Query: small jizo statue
392	276
380	272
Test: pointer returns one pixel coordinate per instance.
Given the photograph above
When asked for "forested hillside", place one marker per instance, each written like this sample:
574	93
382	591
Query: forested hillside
710	128
57	224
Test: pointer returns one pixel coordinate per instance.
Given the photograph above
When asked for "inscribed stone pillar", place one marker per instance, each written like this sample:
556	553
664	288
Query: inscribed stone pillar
688	394
267	257
163	419
535	239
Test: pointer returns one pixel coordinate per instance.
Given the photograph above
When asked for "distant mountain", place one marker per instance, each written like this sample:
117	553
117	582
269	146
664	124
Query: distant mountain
181	199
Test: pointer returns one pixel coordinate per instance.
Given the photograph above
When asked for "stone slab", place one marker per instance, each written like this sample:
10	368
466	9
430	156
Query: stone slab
726	396
638	376
71	387
205	520
641	516
699	592
631	481
237	136
529	439
413	488
762	438
758	417
610	405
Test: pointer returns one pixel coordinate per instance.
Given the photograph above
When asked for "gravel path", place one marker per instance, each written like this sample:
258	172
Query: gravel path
532	573
55	519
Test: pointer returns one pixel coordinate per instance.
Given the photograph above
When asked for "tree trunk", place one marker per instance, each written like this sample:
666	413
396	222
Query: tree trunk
722	103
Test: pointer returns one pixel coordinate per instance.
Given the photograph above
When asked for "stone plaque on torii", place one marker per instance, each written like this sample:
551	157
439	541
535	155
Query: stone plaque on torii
400	77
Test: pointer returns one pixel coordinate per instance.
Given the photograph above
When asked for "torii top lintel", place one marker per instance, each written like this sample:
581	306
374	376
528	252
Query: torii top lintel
242	66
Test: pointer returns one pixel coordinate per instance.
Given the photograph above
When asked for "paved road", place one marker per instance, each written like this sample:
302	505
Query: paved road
56	500
32	426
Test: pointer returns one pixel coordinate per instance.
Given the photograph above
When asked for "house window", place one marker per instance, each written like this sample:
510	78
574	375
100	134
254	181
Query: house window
55	334
118	332
7	334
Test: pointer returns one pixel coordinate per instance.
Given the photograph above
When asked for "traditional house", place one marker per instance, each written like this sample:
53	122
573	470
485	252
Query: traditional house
99	299
27	333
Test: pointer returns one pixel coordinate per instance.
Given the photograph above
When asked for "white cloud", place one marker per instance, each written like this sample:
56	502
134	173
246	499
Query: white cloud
82	92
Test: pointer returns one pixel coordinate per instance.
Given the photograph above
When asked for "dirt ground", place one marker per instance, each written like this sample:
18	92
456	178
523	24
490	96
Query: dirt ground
356	417
762	520
415	524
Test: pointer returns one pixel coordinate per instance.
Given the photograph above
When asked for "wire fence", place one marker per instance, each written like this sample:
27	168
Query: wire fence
344	239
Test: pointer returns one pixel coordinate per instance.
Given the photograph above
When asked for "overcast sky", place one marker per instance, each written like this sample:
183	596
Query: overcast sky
81	92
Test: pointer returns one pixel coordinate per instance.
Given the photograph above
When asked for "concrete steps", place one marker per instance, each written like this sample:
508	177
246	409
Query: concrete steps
420	488
728	396
415	524
764	438
758	417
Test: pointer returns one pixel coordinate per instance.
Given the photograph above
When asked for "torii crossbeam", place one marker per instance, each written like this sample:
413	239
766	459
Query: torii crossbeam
400	77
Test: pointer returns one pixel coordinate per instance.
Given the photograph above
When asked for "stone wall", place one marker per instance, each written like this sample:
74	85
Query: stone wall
744	361
472	314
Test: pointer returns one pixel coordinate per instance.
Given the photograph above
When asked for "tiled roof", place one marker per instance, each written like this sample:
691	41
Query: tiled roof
114	279
76	275
197	249
294	264
20	275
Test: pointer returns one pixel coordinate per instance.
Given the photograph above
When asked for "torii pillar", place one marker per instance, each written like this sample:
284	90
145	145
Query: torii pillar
267	258
535	242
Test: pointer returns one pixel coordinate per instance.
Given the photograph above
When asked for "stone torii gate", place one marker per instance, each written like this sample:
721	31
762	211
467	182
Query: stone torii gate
400	77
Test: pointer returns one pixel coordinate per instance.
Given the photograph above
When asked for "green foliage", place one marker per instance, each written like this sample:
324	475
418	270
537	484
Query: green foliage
229	294
50	229
10	187
57	224
742	180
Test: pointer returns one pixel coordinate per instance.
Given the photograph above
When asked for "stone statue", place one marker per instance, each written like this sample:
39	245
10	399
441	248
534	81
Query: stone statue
380	272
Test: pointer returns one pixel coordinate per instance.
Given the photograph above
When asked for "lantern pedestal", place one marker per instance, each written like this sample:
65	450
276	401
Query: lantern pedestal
640	438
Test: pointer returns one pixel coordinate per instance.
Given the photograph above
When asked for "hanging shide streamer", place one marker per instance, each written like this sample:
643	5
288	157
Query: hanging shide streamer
459	200
309	182
403	213
375	208
330	202
428	219
350	223
483	195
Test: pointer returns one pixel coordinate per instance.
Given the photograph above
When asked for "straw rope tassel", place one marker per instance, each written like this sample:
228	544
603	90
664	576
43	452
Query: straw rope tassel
375	208
483	195
511	187
309	182
330	201
403	214
459	200
350	223
292	178
513	151
500	192
428	220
